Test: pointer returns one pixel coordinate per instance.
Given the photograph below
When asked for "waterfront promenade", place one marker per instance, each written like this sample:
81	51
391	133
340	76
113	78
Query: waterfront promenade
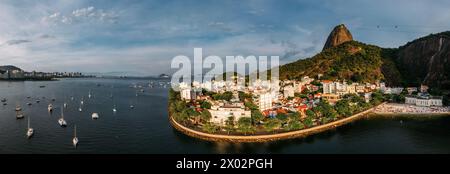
268	137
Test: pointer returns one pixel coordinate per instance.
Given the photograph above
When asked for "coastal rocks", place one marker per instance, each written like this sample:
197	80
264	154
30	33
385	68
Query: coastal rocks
339	35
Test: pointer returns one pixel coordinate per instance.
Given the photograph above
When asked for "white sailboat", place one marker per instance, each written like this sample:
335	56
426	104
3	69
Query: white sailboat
131	105
89	95
30	131
65	105
80	109
82	102
19	115
50	107
75	138
114	109
61	120
18	108
95	115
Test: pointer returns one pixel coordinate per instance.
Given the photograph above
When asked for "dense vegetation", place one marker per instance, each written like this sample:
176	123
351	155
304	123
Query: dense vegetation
352	61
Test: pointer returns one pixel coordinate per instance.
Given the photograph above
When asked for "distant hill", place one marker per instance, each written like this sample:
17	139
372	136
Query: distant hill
9	68
422	61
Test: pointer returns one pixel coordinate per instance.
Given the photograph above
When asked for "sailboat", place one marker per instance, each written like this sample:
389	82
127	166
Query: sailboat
131	105
65	105
80	109
18	108
19	115
95	115
61	120
75	138
50	107
114	109
30	131
82	102
89	95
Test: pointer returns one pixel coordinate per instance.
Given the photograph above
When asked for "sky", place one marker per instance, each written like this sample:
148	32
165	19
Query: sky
142	37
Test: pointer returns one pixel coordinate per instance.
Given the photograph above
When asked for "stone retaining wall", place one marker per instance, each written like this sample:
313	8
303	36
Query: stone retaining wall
268	137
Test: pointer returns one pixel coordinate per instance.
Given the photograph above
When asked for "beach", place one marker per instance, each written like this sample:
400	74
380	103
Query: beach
397	108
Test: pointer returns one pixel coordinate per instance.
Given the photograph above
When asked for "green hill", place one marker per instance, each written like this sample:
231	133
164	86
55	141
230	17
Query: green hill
353	61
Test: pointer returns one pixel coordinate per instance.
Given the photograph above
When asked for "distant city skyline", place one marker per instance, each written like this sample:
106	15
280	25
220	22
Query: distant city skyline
141	37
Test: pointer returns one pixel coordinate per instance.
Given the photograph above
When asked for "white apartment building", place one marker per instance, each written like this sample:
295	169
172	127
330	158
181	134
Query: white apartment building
423	100
220	114
188	94
264	100
288	91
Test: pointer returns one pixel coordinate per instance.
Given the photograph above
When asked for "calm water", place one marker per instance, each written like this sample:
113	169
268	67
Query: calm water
145	129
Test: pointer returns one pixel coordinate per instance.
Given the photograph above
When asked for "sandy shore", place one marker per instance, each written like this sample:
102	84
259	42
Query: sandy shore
397	108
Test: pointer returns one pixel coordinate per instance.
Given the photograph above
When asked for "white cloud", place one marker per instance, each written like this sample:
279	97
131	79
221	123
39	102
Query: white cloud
88	14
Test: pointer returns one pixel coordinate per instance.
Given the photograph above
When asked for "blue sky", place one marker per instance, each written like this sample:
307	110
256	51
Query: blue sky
141	37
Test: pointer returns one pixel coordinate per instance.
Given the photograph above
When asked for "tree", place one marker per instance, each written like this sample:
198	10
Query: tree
308	122
245	125
205	116
343	108
272	124
257	116
229	124
310	113
180	106
295	125
209	127
205	105
282	117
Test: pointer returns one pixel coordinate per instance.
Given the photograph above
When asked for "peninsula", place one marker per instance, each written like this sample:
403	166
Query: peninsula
348	80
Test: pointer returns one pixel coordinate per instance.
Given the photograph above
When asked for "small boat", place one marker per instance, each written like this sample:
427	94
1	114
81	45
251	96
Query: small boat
3	100
18	108
114	109
142	90
42	86
65	105
82	102
29	104
30	131
71	98
28	97
75	138
50	107
5	104
95	115
79	109
20	116
37	101
132	106
61	120
89	95
53	99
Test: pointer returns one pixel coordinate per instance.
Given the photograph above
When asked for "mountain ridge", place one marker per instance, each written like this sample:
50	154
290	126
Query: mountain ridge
422	61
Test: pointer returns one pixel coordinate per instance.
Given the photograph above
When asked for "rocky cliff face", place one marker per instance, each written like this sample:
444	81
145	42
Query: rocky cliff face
426	60
339	35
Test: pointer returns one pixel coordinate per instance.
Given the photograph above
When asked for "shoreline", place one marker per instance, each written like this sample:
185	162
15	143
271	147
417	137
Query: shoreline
292	134
268	137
